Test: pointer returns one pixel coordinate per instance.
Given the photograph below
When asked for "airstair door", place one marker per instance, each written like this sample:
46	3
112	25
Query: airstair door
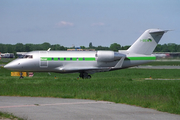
43	62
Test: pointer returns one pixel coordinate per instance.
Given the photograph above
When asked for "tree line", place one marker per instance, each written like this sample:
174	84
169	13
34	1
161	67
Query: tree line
19	47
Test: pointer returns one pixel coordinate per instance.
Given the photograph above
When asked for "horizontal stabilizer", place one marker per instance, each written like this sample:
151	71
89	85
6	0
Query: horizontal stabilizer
160	31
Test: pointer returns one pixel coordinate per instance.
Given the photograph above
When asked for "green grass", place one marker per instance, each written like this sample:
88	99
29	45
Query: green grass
9	116
123	86
6	60
172	63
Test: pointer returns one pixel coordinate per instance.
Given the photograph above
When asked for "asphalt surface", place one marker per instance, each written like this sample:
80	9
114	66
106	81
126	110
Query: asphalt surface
37	108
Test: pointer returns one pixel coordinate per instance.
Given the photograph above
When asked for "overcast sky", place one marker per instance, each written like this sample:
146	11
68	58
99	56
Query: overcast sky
79	22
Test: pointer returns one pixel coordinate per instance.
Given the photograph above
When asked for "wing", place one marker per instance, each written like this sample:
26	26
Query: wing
89	70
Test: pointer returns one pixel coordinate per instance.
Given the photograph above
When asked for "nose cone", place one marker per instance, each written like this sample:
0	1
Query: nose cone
7	66
12	66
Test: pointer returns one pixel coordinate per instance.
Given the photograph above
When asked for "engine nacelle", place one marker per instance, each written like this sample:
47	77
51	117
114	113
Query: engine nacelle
108	56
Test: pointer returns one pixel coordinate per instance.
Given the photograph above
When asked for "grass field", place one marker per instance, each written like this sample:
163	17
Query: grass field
6	60
171	63
4	116
123	86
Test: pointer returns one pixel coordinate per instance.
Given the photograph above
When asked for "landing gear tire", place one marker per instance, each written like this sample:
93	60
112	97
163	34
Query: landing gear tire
84	76
89	76
21	75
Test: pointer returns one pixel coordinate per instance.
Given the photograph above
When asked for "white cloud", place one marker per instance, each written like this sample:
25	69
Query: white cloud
64	23
97	24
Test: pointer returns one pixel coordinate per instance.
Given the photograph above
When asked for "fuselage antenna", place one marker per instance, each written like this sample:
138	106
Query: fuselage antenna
49	49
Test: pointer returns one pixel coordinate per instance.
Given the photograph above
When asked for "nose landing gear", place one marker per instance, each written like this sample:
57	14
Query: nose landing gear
21	75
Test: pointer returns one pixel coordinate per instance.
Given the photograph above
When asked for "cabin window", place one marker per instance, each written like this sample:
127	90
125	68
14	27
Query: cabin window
27	56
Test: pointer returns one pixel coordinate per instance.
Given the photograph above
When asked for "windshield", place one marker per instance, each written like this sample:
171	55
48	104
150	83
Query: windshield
26	56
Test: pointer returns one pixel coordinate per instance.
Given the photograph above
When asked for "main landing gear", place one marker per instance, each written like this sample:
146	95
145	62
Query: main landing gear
84	75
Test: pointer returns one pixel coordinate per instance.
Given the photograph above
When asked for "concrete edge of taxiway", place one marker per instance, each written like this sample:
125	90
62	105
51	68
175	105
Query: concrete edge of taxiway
33	108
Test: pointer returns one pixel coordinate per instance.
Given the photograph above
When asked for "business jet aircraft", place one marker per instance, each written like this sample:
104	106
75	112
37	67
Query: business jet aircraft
89	62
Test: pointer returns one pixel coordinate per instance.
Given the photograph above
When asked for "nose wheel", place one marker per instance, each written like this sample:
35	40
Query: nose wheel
84	75
21	75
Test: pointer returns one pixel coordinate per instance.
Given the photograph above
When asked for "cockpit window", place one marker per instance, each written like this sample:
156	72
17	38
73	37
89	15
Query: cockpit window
22	56
27	56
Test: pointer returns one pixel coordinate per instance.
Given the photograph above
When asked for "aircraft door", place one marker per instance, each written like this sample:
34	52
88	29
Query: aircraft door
43	62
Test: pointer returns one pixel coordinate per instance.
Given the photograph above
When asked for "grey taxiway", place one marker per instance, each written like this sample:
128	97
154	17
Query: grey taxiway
37	108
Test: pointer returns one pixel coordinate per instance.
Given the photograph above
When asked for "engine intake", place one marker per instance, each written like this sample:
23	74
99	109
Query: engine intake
108	56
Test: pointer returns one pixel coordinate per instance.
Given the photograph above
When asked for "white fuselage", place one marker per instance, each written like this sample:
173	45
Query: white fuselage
76	61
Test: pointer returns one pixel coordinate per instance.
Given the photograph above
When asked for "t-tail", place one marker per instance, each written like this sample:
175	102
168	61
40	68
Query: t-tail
147	42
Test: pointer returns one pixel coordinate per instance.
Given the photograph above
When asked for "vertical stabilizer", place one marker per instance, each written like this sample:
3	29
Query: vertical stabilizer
147	42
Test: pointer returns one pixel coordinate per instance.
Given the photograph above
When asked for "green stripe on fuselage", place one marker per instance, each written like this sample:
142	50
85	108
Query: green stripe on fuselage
43	58
91	58
141	58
